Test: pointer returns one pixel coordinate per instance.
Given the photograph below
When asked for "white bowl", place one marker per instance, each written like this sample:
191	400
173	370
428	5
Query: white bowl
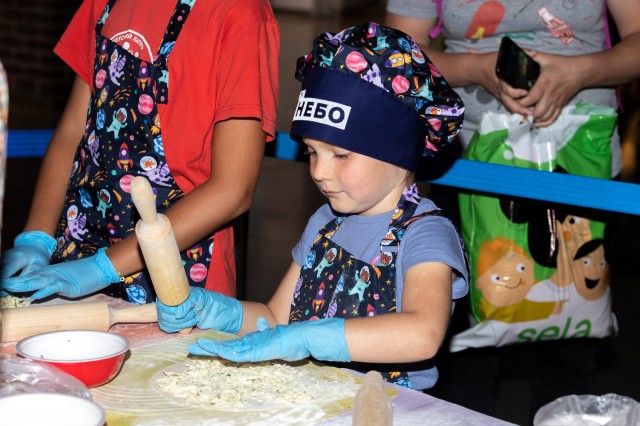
94	357
72	345
51	409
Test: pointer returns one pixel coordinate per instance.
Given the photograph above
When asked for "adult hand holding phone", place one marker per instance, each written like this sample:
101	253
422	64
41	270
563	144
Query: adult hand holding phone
515	66
559	80
517	72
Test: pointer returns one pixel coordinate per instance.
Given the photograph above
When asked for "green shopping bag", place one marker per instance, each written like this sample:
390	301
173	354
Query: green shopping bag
538	271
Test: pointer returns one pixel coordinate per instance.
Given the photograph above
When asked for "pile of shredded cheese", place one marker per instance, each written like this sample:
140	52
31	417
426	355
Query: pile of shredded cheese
14	302
221	383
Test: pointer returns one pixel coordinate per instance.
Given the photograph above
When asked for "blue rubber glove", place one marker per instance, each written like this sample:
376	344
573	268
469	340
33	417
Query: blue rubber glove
31	251
322	339
205	309
71	279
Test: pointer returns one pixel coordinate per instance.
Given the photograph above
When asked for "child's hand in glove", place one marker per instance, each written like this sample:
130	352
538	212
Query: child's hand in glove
71	279
322	339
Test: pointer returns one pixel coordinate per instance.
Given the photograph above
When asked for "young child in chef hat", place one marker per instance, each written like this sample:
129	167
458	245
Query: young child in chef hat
376	270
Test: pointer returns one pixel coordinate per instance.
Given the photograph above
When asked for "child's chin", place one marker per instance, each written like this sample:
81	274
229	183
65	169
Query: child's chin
337	208
343	211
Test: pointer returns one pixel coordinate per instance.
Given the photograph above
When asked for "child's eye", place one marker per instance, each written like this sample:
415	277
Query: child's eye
309	152
341	154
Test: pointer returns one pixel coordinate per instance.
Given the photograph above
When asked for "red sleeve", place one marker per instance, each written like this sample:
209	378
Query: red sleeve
224	65
248	71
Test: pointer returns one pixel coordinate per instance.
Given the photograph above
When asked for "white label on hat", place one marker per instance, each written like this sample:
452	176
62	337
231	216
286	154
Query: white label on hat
322	111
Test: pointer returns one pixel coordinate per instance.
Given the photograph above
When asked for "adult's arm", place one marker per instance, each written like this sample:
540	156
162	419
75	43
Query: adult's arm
561	77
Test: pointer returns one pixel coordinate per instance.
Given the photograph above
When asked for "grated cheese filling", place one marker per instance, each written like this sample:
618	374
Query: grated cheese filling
222	383
14	302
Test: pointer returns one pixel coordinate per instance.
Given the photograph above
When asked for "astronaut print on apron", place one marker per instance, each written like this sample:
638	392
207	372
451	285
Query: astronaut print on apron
123	139
333	282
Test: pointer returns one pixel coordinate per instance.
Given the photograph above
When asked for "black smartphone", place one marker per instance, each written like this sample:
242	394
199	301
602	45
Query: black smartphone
515	67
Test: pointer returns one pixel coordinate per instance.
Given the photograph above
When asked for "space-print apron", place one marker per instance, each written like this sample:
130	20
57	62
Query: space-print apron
333	282
122	139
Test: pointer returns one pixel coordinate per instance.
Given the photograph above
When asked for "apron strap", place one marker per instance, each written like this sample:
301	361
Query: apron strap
161	67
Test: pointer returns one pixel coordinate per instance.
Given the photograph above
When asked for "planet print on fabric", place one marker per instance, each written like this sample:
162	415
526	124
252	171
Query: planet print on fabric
136	294
145	104
435	123
100	119
311	258
85	198
100	76
356	62
400	84
125	183
404	44
157	145
198	272
434	71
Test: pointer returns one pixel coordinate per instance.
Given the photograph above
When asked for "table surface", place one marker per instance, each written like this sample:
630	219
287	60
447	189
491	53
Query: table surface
409	406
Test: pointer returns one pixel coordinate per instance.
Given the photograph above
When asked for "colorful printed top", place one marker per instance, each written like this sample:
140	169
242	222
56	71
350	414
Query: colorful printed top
348	270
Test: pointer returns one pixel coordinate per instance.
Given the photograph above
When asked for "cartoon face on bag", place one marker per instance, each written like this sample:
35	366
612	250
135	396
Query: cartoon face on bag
575	231
591	270
505	272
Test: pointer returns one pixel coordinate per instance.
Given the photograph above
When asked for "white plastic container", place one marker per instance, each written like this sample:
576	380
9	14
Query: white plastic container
51	409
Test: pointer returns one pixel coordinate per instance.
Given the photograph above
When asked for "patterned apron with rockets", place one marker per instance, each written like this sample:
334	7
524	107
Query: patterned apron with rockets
122	139
333	282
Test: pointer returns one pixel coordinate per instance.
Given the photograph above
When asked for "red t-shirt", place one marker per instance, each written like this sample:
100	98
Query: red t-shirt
224	65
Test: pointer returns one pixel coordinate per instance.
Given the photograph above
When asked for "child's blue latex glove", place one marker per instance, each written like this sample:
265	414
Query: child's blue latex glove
31	251
322	339
206	309
71	279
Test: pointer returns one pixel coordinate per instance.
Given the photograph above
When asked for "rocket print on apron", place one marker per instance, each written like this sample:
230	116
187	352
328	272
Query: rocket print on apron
123	139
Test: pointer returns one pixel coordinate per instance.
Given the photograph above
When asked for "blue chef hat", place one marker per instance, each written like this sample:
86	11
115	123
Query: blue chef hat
371	90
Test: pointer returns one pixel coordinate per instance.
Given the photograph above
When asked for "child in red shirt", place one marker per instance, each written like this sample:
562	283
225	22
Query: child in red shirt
184	123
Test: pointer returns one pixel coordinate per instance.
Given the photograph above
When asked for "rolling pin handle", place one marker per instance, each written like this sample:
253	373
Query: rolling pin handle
144	199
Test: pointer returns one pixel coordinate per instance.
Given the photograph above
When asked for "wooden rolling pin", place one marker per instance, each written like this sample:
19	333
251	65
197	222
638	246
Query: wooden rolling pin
159	247
372	405
18	323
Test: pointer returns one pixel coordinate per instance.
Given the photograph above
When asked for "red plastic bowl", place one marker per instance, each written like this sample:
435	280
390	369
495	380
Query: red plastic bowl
93	357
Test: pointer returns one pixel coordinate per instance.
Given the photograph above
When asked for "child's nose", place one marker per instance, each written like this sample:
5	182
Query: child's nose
319	170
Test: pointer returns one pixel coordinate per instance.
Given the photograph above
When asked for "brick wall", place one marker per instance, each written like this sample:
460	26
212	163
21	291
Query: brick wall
29	29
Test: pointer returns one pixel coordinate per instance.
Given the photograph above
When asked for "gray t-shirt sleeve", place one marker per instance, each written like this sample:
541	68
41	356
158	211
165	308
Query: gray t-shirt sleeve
413	8
429	239
434	239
